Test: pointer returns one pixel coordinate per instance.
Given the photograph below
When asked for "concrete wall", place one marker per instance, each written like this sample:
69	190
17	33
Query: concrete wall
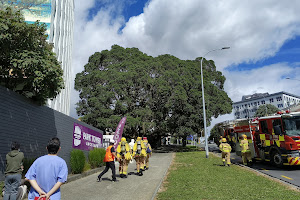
32	126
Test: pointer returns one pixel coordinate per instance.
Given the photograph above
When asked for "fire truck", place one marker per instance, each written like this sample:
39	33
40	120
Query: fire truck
274	139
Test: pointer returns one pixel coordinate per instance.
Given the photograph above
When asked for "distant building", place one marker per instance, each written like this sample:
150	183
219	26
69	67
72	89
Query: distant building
58	15
250	103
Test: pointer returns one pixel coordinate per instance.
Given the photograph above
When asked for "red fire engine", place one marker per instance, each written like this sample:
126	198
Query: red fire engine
274	139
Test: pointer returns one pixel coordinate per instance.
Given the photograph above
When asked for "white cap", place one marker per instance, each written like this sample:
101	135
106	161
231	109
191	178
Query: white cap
112	141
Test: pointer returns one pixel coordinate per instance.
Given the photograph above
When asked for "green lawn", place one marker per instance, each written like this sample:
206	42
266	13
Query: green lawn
192	176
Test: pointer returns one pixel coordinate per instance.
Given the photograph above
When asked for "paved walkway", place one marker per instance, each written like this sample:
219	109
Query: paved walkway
134	187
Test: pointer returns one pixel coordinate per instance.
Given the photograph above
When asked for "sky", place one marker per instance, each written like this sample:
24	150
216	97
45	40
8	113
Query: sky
263	36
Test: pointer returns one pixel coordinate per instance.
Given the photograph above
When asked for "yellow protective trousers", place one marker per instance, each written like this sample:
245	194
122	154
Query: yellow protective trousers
226	156
147	160
246	156
123	166
139	162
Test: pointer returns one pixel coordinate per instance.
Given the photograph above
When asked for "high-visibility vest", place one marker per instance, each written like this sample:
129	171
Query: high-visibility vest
225	147
244	146
109	157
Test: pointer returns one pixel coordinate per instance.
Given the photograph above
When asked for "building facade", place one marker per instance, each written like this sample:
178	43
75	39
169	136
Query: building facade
247	107
58	15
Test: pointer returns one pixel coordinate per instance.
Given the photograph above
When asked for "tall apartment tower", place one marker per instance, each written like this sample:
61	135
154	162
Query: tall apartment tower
61	35
58	15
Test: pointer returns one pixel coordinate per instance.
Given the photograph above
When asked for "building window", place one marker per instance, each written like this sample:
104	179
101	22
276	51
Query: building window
258	103
263	102
271	100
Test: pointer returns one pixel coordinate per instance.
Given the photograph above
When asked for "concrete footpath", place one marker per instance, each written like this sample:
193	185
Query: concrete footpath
134	187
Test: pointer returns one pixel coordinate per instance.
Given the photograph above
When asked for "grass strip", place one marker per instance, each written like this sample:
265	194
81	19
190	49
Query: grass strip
192	176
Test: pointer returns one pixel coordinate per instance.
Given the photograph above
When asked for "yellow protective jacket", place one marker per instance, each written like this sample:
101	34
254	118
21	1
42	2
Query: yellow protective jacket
244	146
123	149
139	148
225	147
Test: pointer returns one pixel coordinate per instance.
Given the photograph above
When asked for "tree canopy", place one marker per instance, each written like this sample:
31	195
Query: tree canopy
265	110
27	63
22	4
159	95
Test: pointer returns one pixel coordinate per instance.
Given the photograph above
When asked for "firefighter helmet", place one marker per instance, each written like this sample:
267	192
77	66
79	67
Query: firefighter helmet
223	139
123	139
244	136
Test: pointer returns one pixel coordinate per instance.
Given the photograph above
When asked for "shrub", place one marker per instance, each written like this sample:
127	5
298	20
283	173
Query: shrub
96	157
77	161
87	166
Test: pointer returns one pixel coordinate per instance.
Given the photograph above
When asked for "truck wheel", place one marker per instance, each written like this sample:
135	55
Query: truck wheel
277	159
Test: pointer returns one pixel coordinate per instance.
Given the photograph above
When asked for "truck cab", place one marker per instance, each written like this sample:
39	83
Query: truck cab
278	139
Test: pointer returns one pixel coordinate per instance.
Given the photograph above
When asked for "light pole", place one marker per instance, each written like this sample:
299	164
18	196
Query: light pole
203	100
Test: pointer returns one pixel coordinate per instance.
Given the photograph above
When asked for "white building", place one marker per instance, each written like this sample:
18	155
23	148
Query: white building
250	103
61	35
58	15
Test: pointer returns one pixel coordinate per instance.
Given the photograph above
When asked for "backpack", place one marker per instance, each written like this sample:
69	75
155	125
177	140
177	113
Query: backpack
148	149
123	149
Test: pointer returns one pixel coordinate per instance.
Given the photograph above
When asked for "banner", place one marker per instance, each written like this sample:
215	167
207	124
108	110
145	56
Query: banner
118	132
85	138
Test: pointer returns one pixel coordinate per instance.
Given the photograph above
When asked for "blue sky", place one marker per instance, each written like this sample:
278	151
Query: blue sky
129	8
289	52
264	37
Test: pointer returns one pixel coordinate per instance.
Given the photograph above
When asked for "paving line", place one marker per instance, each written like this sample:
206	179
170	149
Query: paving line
286	177
264	169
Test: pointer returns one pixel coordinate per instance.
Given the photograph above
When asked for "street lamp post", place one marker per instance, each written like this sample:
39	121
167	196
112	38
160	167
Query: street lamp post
203	100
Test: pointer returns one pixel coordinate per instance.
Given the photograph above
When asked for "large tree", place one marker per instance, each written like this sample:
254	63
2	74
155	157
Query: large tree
265	110
158	95
22	5
27	63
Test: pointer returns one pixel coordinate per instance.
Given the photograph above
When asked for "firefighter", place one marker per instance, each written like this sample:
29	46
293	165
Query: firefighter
220	141
139	153
246	153
226	149
124	155
148	151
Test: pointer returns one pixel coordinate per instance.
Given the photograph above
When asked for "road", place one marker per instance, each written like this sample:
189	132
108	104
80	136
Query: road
289	174
134	187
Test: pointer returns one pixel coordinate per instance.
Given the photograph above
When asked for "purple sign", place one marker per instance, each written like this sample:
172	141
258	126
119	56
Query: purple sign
118	132
85	138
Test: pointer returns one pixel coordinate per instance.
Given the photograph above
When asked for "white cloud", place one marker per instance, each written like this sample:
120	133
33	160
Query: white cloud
270	79
188	29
